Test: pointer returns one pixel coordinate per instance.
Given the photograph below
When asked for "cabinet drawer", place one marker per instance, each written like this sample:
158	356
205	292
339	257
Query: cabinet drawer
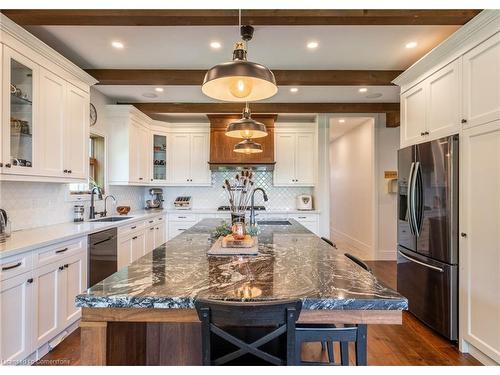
132	227
16	265
176	228
183	217
304	217
53	253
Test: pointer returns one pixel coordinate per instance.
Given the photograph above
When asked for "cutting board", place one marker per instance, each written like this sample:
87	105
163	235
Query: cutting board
218	250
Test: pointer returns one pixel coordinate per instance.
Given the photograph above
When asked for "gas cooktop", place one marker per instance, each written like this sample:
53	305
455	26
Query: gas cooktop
227	208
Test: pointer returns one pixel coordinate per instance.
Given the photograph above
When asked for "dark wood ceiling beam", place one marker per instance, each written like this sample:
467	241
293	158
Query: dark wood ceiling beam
155	108
283	77
200	17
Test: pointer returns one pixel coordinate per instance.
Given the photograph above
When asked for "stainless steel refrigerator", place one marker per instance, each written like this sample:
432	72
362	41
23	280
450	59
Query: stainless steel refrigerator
428	232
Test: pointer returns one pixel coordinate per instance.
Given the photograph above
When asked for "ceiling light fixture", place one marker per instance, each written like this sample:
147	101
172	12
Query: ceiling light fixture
312	45
240	80
363	89
246	127
247	147
215	45
341	120
159	89
118	45
294	90
411	45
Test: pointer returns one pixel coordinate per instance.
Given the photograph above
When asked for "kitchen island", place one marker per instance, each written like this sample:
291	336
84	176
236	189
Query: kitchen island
144	313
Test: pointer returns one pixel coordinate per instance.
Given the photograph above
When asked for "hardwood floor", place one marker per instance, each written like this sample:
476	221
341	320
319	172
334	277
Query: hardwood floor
411	343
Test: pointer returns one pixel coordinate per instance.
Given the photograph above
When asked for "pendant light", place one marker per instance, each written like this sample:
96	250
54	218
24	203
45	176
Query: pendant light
247	146
240	80
246	127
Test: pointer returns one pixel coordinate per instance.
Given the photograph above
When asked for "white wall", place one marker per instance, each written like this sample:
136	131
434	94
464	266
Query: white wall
352	169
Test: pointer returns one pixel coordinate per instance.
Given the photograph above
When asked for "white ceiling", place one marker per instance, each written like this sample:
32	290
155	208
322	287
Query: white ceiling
337	129
279	47
312	94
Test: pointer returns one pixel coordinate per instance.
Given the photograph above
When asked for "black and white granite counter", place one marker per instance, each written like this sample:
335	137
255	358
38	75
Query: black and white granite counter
292	263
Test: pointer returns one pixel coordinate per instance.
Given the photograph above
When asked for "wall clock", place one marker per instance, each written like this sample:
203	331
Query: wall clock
93	115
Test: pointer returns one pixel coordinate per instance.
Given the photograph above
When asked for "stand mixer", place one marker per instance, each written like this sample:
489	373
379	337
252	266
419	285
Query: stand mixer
156	200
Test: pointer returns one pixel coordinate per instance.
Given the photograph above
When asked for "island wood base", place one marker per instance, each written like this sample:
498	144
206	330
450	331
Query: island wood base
135	336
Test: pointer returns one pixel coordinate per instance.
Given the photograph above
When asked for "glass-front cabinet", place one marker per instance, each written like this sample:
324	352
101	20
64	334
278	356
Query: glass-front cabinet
19	90
159	158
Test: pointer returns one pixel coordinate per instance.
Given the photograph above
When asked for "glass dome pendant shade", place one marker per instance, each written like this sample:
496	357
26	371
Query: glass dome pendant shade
239	80
246	127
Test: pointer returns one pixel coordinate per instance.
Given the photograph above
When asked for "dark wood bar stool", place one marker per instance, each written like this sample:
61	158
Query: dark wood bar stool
217	317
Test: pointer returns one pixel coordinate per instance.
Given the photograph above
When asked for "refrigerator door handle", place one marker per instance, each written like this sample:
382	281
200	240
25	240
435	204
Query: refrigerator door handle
421	263
413	199
408	199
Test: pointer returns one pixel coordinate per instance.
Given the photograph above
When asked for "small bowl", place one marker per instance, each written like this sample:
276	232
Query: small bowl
123	210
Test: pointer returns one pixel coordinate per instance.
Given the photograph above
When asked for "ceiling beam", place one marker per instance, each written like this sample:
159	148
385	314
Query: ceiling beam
283	77
221	17
154	108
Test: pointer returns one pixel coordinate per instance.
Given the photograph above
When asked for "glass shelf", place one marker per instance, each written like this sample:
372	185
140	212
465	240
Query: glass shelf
14	99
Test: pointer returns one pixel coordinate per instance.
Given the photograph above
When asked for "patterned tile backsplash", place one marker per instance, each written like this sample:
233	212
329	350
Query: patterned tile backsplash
280	198
35	204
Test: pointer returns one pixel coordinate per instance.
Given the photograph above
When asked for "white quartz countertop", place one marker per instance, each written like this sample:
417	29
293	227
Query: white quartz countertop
29	239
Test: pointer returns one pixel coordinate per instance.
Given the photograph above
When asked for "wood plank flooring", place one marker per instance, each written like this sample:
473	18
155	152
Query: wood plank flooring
411	343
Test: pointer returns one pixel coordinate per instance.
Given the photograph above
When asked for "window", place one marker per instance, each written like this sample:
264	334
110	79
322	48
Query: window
96	167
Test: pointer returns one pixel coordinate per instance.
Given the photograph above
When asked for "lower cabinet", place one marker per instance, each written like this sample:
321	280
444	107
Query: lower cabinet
39	304
131	248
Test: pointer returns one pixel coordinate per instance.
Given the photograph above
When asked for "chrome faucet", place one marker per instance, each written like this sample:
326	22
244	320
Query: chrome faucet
105	212
252	206
92	206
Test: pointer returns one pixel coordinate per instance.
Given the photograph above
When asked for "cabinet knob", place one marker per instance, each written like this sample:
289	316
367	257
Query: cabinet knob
463	234
70	171
140	178
422	134
7	165
65	171
1	165
134	238
464	121
61	268
426	133
66	265
29	281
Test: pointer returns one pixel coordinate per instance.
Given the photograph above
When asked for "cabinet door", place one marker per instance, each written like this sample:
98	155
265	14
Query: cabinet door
16	318
142	154
479	221
481	82
134	151
76	145
284	170
150	238
199	168
413	111
74	283
159	158
52	125
48	283
159	234
138	246
443	101
305	159
124	252
180	158
20	125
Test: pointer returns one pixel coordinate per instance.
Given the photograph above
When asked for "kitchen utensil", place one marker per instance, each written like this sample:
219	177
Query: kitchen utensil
123	210
153	203
4	225
183	203
78	211
304	202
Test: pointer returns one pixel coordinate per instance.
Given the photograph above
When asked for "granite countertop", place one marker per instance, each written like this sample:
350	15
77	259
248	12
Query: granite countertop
29	239
292	263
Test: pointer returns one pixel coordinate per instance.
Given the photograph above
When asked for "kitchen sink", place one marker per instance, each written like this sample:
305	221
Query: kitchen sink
274	222
109	219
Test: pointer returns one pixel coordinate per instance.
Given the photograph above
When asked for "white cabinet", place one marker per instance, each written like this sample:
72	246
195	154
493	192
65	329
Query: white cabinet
481	82
159	231
296	158
480	242
431	109
131	247
16	319
150	234
180	222
189	159
74	280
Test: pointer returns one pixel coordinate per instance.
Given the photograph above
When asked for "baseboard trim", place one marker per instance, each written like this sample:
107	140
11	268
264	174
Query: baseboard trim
386	255
480	356
352	245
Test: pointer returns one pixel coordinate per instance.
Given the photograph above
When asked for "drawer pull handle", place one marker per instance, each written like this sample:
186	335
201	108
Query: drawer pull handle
152	228
134	238
62	250
66	265
11	267
181	217
181	229
302	217
160	218
29	281
150	221
133	227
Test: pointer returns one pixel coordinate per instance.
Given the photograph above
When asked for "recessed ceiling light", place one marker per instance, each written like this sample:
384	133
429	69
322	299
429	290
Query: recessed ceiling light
341	120
312	45
159	89
215	45
150	95
363	89
116	44
411	45
294	89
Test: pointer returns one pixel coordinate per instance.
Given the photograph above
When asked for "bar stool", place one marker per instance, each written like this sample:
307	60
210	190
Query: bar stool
217	316
329	242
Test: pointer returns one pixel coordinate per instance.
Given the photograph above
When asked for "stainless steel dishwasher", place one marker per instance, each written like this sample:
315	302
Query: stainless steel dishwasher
102	255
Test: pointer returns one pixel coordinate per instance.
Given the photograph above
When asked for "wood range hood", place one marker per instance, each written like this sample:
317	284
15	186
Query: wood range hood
222	156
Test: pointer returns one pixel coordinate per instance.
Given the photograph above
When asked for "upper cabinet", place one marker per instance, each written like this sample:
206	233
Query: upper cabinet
296	156
189	158
431	109
481	82
45	111
159	157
